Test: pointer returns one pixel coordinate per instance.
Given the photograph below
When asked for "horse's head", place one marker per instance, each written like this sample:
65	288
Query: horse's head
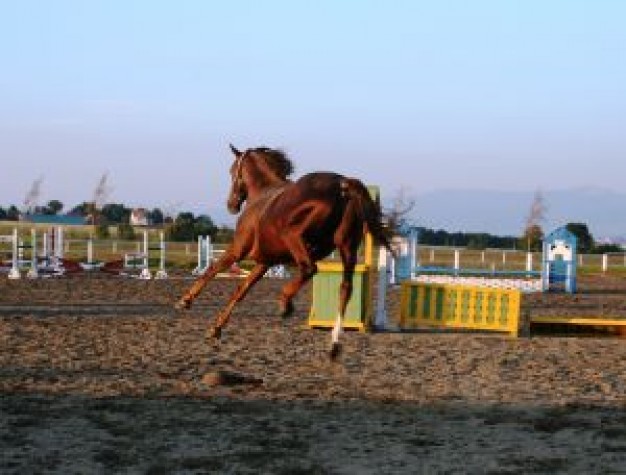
254	171
238	190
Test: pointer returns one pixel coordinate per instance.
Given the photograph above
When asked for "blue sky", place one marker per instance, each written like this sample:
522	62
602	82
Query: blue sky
498	95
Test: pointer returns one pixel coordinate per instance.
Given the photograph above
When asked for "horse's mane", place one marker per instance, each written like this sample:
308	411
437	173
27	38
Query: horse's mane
277	160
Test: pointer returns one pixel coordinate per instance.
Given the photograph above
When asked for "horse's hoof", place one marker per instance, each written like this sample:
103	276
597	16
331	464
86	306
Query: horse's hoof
335	351
214	333
183	304
286	309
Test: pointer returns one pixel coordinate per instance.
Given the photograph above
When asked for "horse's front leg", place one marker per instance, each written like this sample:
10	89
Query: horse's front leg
255	274
227	260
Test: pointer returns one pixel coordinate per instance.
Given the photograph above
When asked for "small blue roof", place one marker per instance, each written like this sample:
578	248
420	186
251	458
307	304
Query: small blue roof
55	219
561	234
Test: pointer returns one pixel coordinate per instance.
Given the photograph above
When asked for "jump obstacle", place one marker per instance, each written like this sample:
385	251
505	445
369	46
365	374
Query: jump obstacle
425	304
49	262
452	298
558	271
459	307
141	259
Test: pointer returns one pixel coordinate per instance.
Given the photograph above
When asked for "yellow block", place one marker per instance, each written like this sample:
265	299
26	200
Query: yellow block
591	321
459	307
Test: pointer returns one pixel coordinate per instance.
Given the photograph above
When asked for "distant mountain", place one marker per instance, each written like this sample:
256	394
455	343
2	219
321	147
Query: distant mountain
505	213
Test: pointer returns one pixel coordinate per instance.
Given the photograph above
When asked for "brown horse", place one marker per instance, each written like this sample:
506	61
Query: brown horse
291	222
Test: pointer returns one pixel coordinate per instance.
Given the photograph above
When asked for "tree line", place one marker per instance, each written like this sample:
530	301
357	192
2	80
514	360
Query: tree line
531	240
185	226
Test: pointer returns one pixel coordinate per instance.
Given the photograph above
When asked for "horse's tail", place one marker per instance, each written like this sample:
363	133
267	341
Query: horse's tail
367	210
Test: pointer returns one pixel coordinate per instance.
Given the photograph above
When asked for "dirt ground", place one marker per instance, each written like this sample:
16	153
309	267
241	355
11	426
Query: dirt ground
100	375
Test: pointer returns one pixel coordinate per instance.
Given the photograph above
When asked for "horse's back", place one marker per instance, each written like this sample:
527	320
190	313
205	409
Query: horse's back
319	182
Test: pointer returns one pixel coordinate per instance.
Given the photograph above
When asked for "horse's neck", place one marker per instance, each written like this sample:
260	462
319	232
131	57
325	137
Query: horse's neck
264	190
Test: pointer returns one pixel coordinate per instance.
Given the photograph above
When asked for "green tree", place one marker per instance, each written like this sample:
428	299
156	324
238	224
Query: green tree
125	232
585	239
187	227
54	207
82	209
116	213
604	248
182	229
532	238
13	214
204	226
102	231
156	217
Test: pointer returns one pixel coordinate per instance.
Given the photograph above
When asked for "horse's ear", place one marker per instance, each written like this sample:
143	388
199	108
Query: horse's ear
234	150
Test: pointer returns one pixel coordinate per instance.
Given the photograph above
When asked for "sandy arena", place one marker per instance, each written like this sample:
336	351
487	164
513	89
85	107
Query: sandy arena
101	375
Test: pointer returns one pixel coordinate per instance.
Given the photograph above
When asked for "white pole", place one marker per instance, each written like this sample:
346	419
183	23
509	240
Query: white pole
605	262
90	251
32	272
44	250
14	273
432	255
145	272
529	261
58	242
161	274
200	244
482	257
503	259
457	259
380	322
413	254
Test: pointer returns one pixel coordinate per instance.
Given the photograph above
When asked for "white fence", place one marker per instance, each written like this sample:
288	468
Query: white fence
185	254
506	259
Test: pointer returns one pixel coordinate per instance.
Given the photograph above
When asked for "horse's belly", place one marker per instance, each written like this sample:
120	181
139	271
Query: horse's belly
270	248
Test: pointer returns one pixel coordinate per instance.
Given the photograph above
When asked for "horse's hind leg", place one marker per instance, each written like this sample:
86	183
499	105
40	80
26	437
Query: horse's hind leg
255	274
293	287
306	270
227	260
348	257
